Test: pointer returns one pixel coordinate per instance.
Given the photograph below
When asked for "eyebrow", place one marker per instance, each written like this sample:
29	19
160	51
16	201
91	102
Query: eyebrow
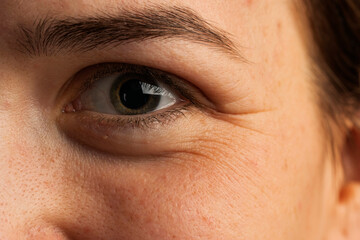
53	36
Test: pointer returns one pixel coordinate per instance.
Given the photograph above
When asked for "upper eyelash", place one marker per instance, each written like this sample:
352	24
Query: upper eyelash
107	69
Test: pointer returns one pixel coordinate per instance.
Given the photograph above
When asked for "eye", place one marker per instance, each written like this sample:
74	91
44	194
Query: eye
127	90
121	108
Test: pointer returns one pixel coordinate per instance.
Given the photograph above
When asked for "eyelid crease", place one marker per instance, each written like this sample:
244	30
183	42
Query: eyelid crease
184	89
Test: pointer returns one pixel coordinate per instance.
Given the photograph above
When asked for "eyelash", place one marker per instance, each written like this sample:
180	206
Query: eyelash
144	121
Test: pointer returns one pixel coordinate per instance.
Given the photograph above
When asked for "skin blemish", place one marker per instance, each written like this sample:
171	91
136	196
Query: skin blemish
249	3
279	26
4	105
73	106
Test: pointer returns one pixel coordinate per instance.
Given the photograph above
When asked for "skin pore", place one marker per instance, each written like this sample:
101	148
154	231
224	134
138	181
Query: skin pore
247	158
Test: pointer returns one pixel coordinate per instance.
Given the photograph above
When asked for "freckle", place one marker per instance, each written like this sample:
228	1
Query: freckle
249	3
279	26
87	230
285	166
299	206
345	232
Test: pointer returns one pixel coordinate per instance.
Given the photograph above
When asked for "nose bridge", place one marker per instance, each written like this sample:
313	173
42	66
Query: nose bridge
25	175
18	184
30	179
27	198
22	203
37	232
42	232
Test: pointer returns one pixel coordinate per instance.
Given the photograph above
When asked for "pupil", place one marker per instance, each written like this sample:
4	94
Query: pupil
132	96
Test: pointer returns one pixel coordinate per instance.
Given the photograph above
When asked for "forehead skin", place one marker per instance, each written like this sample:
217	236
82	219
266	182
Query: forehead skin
252	168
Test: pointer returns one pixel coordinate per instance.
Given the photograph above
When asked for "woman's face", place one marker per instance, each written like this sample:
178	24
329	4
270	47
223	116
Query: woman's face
223	141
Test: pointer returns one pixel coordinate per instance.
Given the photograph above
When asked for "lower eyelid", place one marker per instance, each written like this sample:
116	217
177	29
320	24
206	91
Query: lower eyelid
120	136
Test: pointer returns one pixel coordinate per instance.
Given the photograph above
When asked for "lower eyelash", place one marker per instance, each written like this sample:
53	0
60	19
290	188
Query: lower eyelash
164	118
142	122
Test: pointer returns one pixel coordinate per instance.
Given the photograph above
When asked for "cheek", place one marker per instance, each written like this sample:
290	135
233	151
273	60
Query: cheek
231	180
204	191
229	183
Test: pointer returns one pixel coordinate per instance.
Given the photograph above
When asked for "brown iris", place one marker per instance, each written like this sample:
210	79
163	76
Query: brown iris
132	94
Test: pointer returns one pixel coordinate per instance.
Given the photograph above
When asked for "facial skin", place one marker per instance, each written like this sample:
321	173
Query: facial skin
249	160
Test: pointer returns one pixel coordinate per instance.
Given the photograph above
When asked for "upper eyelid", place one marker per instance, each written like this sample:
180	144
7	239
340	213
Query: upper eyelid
107	69
110	70
83	79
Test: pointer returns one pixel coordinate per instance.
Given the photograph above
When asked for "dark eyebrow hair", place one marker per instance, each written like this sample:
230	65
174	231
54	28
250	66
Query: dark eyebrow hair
51	36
